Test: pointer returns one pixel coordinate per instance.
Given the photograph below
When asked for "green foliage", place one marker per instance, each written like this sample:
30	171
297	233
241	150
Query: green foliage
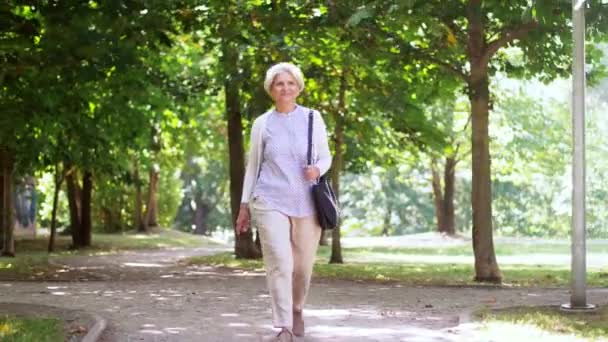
81	84
45	187
205	185
391	201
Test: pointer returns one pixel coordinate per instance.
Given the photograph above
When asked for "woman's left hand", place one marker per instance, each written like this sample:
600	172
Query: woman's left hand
311	173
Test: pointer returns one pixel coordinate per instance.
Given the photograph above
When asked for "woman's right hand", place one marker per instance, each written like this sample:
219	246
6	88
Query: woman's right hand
243	220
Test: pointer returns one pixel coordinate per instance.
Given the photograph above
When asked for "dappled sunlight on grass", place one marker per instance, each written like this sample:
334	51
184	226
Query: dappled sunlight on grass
13	329
108	243
548	321
34	262
226	260
27	267
509	332
419	273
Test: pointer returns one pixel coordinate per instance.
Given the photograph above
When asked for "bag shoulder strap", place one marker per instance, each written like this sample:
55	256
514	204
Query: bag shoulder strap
309	154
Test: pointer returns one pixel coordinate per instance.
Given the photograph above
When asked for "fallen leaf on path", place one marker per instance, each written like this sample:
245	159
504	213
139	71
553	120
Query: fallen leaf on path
78	330
491	300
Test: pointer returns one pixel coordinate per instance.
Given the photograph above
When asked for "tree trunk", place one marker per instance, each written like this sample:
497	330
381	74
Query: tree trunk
150	218
74	202
324	239
486	267
449	177
200	217
116	209
7	206
244	246
58	180
86	223
137	220
437	198
387	221
338	165
336	247
108	220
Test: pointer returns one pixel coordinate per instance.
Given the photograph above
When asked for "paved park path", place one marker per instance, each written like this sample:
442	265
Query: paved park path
149	296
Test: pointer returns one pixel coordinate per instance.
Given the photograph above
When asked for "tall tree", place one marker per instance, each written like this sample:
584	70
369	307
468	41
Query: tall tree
71	75
7	217
351	83
447	111
464	38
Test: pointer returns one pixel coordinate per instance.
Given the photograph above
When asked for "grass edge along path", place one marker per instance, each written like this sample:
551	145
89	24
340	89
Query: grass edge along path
32	259
418	274
18	329
591	325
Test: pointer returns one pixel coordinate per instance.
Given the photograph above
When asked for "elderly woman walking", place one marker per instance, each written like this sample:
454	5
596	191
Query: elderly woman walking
277	195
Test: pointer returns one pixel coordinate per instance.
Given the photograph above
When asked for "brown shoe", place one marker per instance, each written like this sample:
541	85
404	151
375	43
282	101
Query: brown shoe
284	336
298	324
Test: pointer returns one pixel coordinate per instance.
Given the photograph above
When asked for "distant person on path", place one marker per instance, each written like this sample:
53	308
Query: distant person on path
277	195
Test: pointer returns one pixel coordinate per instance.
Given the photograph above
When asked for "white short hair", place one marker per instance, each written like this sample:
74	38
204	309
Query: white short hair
283	67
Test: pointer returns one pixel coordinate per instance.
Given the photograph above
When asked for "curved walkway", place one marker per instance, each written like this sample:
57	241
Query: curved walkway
146	296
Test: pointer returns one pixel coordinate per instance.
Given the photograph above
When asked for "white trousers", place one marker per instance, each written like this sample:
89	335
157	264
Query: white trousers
289	245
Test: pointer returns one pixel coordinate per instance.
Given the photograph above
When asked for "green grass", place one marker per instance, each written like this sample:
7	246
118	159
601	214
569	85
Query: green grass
592	325
13	329
467	250
419	274
367	264
32	260
115	242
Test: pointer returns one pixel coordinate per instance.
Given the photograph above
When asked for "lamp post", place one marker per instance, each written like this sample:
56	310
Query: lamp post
578	299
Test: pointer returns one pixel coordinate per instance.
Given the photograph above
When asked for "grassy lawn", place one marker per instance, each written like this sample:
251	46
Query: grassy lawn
592	325
14	329
32	259
107	243
466	250
366	264
417	273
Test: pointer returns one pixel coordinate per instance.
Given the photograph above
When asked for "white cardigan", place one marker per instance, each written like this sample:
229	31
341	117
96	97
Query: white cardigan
321	157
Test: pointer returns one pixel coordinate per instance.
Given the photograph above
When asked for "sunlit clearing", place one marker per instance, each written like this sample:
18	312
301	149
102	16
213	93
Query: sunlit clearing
145	237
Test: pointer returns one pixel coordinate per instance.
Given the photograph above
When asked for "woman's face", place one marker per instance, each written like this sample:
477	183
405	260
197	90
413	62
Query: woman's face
284	88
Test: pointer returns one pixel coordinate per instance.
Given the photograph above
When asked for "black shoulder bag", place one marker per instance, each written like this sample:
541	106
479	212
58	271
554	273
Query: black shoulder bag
323	195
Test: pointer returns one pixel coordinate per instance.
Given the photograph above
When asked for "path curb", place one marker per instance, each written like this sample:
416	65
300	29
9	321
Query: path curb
94	323
96	330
